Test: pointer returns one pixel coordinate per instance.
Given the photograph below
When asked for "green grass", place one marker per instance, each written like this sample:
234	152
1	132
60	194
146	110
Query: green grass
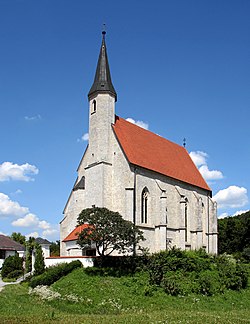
95	299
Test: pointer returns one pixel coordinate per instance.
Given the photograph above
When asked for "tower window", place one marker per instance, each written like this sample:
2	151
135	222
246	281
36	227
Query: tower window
144	205
93	106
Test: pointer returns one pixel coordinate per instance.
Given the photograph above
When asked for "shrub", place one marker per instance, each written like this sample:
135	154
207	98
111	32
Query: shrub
176	259
209	283
15	274
11	264
233	274
171	283
180	283
184	272
120	265
54	273
246	254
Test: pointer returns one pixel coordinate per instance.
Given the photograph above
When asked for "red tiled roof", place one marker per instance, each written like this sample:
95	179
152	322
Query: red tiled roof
153	152
74	234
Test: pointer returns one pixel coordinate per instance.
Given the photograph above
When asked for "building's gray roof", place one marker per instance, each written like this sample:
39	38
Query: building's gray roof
102	82
6	243
41	240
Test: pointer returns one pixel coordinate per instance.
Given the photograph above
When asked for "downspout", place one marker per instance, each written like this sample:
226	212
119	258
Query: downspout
134	207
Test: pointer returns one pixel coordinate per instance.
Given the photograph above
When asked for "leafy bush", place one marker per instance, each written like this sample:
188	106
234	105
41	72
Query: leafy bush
15	274
233	274
184	272
11	264
246	254
209	283
54	273
176	259
171	283
119	265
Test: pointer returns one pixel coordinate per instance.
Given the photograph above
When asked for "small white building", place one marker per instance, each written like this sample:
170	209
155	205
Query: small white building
45	245
9	247
148	179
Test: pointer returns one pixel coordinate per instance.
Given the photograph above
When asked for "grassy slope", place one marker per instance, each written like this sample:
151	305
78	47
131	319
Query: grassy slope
119	300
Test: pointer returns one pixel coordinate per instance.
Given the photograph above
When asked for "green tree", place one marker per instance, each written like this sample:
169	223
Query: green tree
18	237
234	233
108	230
29	249
55	248
39	264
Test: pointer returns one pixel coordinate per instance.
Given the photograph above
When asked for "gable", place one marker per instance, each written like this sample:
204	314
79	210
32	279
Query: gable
153	152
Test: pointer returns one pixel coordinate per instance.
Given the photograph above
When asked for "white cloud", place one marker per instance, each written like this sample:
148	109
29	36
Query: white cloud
223	215
2	233
44	225
139	123
11	171
51	234
239	212
11	208
84	138
210	174
231	197
32	234
26	221
31	220
199	158
33	118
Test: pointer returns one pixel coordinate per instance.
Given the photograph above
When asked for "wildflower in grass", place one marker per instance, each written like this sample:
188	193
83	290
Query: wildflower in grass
44	292
89	301
113	303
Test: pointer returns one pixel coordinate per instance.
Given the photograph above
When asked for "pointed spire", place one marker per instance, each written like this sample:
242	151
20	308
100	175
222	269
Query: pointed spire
102	82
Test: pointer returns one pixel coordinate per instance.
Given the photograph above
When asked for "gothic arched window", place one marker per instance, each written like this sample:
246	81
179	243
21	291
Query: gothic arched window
144	205
186	221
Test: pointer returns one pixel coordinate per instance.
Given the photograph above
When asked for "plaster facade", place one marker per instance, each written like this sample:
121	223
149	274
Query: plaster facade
177	213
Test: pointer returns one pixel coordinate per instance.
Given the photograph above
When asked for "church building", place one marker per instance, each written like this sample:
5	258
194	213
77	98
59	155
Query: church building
148	179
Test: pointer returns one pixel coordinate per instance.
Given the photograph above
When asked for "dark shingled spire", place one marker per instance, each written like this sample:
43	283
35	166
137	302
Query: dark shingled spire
102	82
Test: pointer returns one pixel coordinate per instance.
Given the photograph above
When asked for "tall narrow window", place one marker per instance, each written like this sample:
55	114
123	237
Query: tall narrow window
144	205
94	106
185	221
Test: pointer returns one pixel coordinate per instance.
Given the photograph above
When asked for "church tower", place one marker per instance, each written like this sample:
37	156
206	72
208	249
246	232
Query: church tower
102	97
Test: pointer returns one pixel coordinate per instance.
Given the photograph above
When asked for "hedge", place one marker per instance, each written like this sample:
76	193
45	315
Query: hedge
54	273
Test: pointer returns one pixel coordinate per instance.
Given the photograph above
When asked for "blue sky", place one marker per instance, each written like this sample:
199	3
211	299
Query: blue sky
180	67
